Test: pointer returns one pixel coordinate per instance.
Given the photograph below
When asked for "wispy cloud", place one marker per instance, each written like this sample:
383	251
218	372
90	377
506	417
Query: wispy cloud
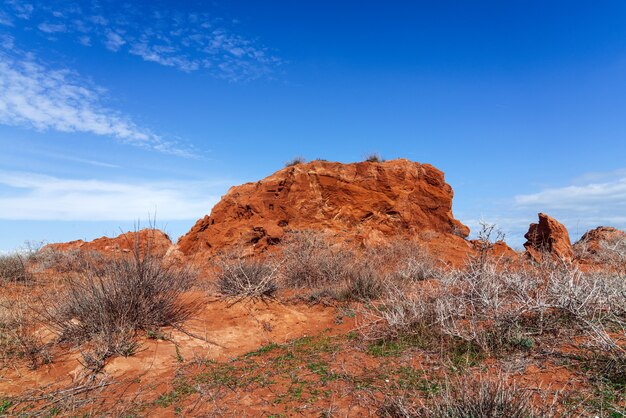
52	28
187	41
30	196
591	200
113	41
36	96
87	161
21	10
5	20
608	197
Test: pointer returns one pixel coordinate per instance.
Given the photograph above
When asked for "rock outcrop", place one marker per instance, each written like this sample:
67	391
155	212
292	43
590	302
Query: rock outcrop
548	236
361	202
497	250
593	241
156	242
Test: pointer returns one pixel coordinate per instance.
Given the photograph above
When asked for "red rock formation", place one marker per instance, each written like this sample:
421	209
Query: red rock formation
152	240
548	236
497	250
592	241
363	202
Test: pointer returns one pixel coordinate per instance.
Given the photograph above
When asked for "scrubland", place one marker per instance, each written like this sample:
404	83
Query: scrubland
313	328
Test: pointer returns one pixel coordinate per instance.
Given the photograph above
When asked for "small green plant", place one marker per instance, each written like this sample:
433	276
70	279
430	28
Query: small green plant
386	348
5	404
182	388
179	356
265	349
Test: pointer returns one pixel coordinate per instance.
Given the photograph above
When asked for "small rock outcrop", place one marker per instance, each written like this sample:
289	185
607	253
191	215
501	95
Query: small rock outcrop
548	236
152	241
497	250
593	241
361	202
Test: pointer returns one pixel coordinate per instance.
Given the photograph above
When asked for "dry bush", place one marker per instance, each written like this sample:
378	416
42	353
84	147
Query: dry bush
613	254
400	315
68	261
495	307
404	261
465	398
498	307
374	158
238	276
310	261
363	283
18	332
105	306
14	268
295	161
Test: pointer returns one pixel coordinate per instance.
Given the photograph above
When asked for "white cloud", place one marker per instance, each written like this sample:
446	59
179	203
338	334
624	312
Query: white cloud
188	42
85	40
52	28
581	207
5	20
595	198
113	41
159	55
30	196
35	96
6	41
20	9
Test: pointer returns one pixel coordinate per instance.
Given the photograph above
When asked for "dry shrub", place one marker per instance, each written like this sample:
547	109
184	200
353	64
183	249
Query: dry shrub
404	261
105	306
238	276
14	268
310	261
468	398
613	254
498	307
295	161
362	283
68	261
400	315
374	158
18	332
610	254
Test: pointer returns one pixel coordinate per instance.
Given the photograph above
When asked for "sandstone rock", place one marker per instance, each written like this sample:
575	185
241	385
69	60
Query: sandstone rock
592	241
364	202
548	236
497	250
148	240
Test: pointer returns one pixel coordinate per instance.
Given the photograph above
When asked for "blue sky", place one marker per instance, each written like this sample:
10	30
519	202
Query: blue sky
114	112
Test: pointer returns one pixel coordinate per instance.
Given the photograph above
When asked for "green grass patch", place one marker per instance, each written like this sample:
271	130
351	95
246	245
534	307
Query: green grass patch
265	349
5	404
182	389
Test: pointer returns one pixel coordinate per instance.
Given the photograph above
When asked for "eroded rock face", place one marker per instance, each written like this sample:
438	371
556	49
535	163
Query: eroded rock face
592	241
363	202
148	240
548	236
